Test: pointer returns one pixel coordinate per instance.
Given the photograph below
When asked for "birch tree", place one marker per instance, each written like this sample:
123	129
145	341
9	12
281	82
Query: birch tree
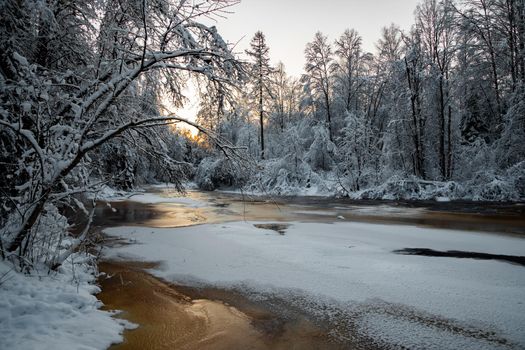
319	57
347	68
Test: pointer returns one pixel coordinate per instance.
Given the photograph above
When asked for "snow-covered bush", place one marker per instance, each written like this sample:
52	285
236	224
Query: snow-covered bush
322	151
489	186
402	188
510	148
358	153
517	174
48	240
496	189
247	137
213	173
473	159
285	177
484	186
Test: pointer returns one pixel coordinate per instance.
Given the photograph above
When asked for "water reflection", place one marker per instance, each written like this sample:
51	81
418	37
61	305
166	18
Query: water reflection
175	317
223	207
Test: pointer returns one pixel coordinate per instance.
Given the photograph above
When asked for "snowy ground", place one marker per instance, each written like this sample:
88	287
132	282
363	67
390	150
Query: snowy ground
54	310
276	180
141	196
399	300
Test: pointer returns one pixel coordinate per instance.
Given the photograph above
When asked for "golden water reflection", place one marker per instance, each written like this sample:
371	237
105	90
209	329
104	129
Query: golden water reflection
216	207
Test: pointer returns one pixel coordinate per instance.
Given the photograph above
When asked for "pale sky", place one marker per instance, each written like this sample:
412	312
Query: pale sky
290	24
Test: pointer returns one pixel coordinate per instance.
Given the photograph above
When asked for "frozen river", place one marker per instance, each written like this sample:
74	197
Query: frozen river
365	274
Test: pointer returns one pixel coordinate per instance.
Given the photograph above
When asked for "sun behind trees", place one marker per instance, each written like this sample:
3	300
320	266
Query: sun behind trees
81	83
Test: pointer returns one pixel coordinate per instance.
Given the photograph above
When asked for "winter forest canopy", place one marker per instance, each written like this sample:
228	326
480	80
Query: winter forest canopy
435	111
87	90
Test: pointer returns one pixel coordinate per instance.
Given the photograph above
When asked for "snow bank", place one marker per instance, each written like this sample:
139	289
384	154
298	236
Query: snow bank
289	177
140	196
153	198
351	263
277	179
483	187
213	173
107	193
55	310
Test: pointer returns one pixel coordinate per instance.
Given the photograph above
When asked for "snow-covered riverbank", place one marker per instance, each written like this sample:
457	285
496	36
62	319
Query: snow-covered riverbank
55	310
348	266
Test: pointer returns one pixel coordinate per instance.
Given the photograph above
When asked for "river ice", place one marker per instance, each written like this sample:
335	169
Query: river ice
398	300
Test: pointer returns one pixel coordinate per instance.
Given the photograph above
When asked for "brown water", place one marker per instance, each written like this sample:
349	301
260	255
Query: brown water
180	317
175	317
506	218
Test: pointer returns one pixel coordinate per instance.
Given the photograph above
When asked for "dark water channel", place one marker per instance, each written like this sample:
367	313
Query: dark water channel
495	217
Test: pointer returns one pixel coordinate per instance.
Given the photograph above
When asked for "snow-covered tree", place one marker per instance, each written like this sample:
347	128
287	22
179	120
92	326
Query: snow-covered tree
260	71
72	79
319	57
347	68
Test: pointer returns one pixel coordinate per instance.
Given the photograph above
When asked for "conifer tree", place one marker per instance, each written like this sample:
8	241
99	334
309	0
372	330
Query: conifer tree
260	73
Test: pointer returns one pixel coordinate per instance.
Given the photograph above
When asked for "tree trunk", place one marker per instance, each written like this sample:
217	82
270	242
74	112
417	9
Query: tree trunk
449	139
521	35
329	116
261	119
416	136
511	17
442	159
29	223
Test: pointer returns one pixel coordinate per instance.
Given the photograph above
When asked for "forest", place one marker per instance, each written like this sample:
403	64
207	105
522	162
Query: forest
436	112
90	100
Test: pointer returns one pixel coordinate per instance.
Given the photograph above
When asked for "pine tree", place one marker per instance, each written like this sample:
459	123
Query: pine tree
260	71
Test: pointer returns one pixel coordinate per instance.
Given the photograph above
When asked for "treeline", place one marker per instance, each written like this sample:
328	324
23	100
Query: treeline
443	102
